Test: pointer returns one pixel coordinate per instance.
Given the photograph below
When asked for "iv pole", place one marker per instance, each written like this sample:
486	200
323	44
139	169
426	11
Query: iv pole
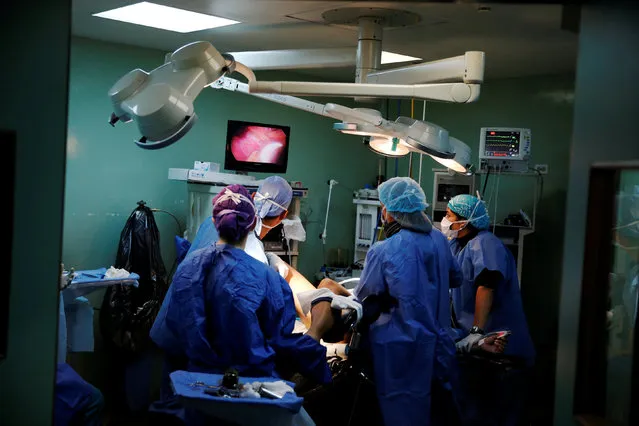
331	183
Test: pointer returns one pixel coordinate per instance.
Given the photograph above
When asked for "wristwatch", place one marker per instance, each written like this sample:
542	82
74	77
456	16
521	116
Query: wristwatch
476	330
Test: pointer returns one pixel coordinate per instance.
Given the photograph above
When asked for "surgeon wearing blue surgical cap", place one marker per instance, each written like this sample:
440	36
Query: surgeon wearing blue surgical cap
411	348
488	300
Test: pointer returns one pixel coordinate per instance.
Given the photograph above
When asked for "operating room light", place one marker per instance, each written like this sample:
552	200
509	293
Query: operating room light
393	58
359	129
389	147
461	162
165	17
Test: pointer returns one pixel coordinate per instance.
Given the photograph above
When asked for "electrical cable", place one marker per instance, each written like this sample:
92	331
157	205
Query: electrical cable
173	216
490	197
174	266
540	183
483	192
496	200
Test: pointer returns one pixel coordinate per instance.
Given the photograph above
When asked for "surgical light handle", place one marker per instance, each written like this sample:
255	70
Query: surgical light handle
331	183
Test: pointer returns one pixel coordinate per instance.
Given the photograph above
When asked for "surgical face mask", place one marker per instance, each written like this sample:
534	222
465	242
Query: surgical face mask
446	224
259	225
449	233
383	214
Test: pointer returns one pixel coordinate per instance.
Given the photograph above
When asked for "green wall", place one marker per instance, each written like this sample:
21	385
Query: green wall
107	174
544	105
35	52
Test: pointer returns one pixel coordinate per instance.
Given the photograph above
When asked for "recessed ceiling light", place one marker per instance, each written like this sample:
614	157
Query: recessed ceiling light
393	58
165	17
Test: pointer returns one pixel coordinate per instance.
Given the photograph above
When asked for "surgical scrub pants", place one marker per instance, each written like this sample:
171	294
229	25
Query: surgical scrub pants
489	394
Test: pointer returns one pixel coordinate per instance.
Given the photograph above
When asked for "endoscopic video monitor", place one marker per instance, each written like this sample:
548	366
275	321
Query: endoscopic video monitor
256	147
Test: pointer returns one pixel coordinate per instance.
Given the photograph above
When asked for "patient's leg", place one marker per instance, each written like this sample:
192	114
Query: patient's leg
299	284
334	286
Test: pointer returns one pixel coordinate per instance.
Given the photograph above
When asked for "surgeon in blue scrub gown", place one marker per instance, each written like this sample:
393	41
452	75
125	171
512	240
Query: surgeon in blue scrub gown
229	310
412	351
76	401
488	300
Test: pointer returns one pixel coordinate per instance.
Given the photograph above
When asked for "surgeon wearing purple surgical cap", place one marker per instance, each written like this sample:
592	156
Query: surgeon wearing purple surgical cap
226	309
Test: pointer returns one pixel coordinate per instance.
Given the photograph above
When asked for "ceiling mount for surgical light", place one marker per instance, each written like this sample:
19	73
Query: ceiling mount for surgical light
370	22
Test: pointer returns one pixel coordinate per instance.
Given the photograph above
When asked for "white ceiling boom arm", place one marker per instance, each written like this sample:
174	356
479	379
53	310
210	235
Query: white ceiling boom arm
467	68
456	79
338	112
444	92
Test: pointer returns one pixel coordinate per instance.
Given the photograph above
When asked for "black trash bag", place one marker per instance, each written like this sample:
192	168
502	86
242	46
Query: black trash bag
128	312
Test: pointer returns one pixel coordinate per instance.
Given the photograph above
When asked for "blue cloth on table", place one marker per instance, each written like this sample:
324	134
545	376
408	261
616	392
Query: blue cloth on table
85	282
183	384
79	324
75	331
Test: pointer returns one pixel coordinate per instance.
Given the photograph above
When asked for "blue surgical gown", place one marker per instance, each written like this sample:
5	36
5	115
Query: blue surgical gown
487	252
76	401
411	345
205	236
225	309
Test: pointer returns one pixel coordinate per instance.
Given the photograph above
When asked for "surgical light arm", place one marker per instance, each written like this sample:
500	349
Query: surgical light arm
467	68
443	92
336	111
233	85
456	79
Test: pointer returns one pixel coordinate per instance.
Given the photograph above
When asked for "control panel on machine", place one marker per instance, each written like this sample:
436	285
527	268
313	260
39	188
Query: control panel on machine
505	149
446	186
